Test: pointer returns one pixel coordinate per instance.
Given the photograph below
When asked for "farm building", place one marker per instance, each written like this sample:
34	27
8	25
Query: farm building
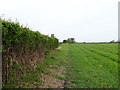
52	35
71	40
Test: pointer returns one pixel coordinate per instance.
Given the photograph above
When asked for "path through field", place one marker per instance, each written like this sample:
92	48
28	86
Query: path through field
82	66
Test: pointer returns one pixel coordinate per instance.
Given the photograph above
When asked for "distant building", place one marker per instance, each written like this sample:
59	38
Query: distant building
71	40
52	35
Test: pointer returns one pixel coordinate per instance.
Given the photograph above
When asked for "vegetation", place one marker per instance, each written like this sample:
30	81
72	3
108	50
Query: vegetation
23	39
22	48
65	41
86	66
93	65
32	79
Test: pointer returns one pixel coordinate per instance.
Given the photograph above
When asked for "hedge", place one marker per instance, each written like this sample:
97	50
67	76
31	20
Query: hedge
22	47
23	39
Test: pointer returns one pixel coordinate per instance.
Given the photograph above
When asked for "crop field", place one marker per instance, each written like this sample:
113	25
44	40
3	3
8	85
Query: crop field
88	65
94	65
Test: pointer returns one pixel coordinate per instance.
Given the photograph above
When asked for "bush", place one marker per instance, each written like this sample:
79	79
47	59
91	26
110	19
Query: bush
23	39
65	41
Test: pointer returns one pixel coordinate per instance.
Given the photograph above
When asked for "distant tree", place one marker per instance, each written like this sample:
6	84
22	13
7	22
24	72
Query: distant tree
65	41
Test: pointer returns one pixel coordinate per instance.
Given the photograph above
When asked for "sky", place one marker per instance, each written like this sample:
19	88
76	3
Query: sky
84	20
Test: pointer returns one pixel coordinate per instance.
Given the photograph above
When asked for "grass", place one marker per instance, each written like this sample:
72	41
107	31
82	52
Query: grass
32	79
60	77
88	65
93	66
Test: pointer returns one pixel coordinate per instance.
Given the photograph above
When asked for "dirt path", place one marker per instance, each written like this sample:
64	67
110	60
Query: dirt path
55	79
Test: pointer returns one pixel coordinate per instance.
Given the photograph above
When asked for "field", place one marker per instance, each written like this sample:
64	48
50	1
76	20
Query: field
94	65
86	65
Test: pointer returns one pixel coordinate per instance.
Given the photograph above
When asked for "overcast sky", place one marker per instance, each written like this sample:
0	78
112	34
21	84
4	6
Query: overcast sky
84	20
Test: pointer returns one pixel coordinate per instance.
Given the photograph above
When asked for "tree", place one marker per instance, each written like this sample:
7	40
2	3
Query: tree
65	41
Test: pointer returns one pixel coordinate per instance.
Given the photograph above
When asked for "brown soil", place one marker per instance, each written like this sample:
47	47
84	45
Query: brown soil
49	81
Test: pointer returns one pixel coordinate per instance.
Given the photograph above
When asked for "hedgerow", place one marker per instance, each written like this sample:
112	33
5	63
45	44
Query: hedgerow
22	38
22	48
